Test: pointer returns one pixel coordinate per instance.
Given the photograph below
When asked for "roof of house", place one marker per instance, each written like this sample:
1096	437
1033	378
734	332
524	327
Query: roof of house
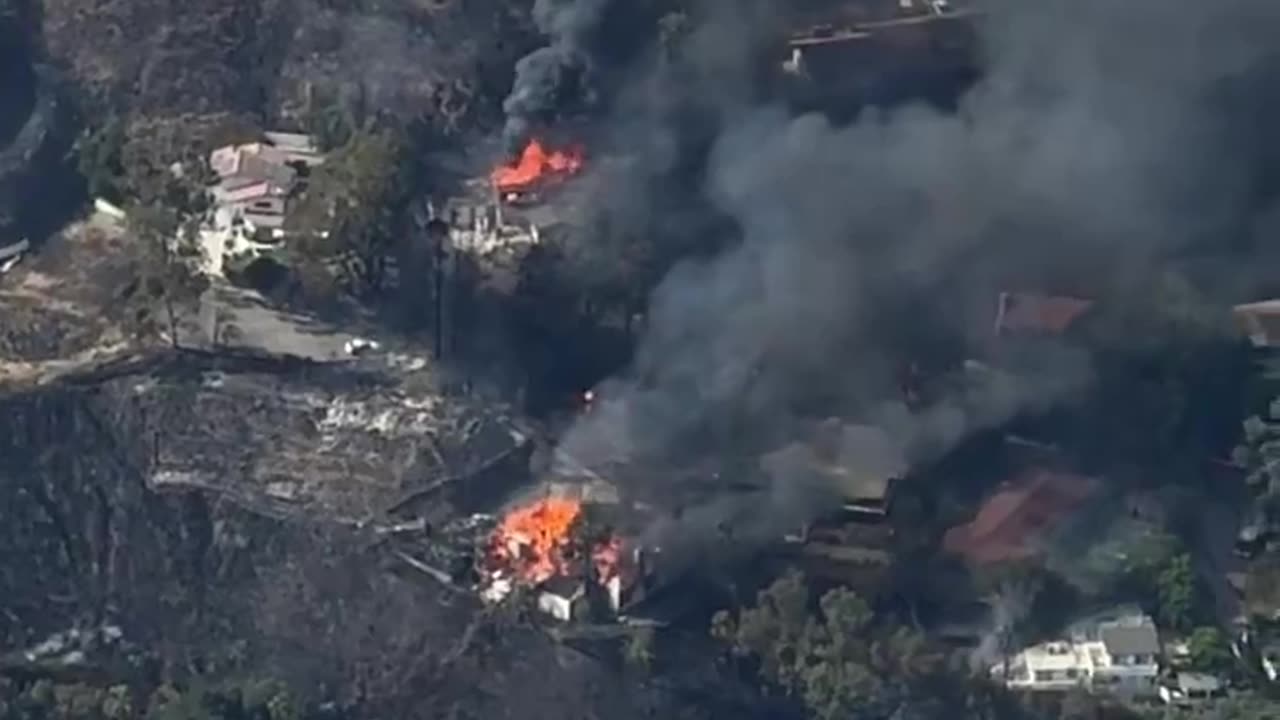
1010	522
1259	321
565	587
859	460
297	142
1134	639
1198	682
1033	313
254	161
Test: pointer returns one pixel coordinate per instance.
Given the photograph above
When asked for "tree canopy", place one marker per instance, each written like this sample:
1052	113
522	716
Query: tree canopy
835	661
352	204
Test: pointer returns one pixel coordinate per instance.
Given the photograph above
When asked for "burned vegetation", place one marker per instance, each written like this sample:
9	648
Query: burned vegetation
836	359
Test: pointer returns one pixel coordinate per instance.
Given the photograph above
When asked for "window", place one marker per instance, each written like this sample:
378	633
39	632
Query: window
1043	676
1072	673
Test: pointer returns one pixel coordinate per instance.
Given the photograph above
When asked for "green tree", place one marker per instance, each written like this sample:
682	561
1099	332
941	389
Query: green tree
353	204
1259	451
167	273
1176	593
98	159
830	658
1210	651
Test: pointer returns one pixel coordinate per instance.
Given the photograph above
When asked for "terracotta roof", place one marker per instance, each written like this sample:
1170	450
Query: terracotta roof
1009	523
1031	313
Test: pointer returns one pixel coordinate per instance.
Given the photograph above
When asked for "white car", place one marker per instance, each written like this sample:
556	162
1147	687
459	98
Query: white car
360	346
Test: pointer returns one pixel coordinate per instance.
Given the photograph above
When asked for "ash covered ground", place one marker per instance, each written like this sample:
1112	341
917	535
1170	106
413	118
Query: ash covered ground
763	287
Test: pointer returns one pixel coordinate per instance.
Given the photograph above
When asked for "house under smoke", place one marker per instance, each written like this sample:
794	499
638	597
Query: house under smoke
1037	315
1012	524
856	464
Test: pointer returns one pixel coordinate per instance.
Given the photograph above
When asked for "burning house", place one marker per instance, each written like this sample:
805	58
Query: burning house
535	171
556	548
858	463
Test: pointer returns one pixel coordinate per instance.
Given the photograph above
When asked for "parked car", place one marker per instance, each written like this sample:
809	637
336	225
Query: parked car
356	347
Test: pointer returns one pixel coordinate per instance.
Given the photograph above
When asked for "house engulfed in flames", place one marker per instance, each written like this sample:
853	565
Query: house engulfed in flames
545	547
536	170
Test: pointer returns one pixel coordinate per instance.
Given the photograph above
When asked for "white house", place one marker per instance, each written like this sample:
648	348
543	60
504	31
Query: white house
1187	689
296	148
1118	655
562	598
255	182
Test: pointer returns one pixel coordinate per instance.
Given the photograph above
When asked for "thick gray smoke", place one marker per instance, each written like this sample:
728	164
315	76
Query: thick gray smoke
1092	148
545	76
1010	606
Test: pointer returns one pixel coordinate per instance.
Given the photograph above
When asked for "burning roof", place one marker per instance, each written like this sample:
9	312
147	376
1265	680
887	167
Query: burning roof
547	541
536	165
1010	523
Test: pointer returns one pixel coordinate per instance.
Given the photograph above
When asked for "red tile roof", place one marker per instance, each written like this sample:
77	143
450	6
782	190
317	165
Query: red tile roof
1009	523
1038	314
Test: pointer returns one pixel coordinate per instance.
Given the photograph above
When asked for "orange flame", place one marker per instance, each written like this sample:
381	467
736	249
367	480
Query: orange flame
532	540
533	544
536	162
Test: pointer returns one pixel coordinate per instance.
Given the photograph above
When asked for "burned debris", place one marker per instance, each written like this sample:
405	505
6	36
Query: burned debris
287	437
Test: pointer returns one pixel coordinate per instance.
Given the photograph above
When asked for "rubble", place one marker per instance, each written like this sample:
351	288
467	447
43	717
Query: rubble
286	437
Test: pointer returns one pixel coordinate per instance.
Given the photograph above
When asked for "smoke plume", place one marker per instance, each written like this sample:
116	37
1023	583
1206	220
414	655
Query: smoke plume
547	77
1095	145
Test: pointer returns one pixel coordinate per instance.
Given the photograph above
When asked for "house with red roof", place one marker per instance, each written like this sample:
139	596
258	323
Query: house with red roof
1012	524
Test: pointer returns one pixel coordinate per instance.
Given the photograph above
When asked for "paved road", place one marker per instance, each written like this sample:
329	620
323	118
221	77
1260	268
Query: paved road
242	318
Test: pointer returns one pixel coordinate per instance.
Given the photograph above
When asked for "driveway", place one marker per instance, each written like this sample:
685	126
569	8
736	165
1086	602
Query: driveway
242	318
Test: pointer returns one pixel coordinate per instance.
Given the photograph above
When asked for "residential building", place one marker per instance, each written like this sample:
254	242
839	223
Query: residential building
1188	689
562	598
1119	655
1012	523
296	148
1259	322
860	463
255	182
1037	315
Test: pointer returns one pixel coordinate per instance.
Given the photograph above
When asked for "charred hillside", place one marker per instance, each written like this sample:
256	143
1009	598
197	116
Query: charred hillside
149	538
160	488
276	61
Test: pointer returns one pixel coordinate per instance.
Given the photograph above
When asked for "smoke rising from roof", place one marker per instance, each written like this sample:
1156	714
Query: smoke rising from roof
545	77
1092	148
